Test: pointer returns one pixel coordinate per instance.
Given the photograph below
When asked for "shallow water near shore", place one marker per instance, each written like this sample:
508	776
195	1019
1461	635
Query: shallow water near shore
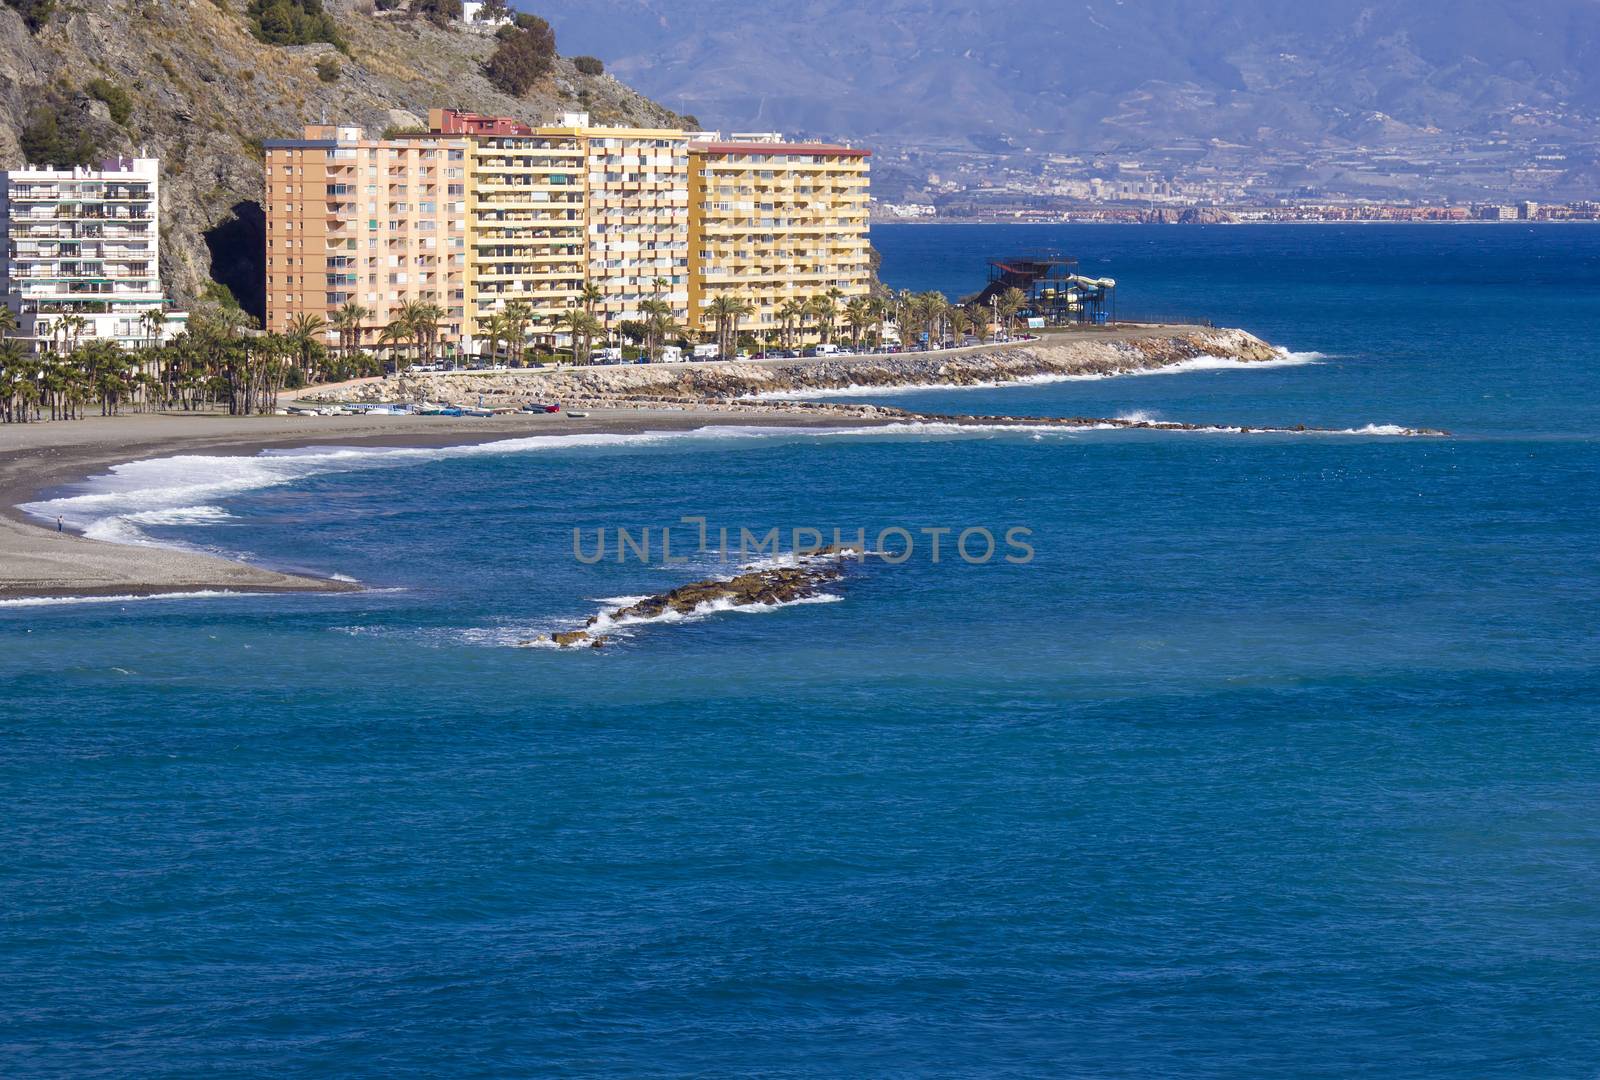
1278	757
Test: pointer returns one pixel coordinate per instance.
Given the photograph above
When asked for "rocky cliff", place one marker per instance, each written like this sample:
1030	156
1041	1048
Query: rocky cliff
202	92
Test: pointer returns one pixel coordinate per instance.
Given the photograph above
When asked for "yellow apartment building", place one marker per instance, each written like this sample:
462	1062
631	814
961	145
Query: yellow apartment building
372	221
526	214
638	218
481	212
772	221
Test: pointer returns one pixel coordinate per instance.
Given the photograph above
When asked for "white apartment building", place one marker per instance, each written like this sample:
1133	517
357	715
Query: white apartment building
85	242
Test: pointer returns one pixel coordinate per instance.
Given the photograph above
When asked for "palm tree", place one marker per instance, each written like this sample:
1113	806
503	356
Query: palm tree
590	296
582	326
8	322
71	329
740	310
349	320
658	323
933	308
1011	301
726	311
391	337
958	322
858	316
305	336
792	314
17	372
426	316
825	311
519	316
878	308
494	330
977	319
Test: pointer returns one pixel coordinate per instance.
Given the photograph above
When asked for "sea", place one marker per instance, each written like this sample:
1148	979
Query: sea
1239	755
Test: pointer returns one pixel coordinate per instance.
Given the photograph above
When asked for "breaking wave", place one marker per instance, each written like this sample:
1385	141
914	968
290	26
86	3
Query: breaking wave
185	490
1285	358
57	601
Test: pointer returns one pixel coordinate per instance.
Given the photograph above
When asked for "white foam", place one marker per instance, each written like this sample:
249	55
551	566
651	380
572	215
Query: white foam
1284	358
182	490
607	624
56	601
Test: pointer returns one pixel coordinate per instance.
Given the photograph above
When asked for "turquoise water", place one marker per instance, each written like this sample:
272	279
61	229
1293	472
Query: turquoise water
1278	759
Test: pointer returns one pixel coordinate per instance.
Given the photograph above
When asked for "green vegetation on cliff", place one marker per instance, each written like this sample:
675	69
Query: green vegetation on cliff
526	53
293	22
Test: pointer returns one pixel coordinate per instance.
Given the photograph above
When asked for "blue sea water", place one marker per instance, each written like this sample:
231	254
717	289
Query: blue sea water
1280	758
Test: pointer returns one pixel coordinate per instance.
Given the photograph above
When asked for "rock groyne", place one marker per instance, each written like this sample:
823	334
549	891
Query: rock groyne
1087	353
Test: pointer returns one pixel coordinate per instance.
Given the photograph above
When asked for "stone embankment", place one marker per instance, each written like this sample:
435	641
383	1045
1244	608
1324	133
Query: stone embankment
735	384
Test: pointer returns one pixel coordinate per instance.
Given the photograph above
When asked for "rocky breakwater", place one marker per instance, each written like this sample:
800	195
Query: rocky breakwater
734	384
752	587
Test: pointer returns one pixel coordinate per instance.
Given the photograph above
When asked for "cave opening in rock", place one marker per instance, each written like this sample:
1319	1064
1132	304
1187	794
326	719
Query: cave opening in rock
238	248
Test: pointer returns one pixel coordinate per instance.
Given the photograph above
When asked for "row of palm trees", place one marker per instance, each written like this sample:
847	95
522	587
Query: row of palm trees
215	362
219	360
414	331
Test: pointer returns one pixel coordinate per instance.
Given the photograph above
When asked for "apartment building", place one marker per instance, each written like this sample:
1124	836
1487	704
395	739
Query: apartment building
525	211
772	221
482	212
376	222
638	218
85	242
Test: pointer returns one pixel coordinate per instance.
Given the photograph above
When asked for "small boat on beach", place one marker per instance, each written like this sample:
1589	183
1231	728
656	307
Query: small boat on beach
578	415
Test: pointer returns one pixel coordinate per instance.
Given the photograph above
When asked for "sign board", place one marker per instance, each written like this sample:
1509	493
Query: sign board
1035	324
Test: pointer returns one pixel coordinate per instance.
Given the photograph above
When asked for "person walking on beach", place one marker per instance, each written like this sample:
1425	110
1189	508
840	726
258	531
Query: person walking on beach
58	524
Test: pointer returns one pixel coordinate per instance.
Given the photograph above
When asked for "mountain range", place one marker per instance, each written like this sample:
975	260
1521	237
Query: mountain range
1112	75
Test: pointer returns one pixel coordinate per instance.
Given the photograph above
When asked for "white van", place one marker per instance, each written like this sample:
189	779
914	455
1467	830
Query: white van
671	354
705	352
608	356
823	350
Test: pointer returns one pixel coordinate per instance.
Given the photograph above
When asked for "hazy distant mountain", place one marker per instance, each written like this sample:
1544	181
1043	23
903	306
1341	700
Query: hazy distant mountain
1107	73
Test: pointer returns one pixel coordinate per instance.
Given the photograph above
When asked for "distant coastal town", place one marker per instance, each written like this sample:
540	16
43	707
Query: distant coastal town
1130	212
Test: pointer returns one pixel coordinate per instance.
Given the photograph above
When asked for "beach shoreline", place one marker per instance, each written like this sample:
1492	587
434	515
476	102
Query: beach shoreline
36	459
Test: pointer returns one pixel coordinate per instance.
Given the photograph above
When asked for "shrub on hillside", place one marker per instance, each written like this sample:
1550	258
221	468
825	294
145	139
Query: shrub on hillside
525	54
293	22
56	134
328	69
34	12
589	65
438	12
115	97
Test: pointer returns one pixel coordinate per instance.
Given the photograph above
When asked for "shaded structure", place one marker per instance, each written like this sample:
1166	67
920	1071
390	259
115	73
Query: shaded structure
1054	289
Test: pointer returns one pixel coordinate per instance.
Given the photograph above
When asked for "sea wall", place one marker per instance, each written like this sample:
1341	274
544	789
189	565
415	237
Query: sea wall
1108	352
